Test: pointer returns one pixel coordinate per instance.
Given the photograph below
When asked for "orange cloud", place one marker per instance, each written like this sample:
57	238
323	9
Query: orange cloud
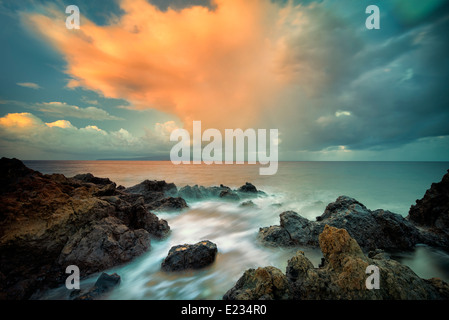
219	66
23	120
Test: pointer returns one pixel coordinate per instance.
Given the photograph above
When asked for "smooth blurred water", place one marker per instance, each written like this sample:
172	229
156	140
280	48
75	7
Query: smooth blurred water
305	187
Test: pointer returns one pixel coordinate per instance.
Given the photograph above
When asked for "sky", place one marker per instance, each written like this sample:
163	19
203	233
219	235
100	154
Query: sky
136	70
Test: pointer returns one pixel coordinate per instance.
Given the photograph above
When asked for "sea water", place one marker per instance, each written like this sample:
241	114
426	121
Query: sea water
304	187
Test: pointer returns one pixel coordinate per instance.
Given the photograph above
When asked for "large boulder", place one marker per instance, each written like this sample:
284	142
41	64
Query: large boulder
190	256
158	195
248	190
432	211
104	284
153	190
168	204
344	274
103	244
372	229
268	283
50	221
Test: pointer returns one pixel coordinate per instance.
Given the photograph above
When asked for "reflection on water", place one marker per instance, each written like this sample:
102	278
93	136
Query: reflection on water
426	262
303	187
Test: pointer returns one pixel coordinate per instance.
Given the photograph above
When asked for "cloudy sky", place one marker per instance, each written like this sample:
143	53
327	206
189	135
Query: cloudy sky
137	69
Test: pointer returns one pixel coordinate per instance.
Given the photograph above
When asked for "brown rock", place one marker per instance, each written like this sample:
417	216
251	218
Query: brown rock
268	283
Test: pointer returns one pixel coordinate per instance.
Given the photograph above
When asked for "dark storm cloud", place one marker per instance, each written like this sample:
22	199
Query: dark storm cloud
392	89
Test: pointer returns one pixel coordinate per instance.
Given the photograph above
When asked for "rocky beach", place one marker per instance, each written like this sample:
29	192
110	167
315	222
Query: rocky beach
50	221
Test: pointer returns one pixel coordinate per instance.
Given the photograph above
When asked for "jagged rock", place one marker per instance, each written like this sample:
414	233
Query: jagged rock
248	187
344	274
229	195
432	211
153	190
190	256
190	192
47	221
300	230
200	192
104	284
88	177
11	171
268	283
158	195
103	244
372	229
275	236
168	204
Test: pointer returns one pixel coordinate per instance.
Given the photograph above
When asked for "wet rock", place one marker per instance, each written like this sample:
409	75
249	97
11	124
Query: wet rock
300	230
248	187
103	244
248	204
191	192
50	221
168	204
153	190
196	192
190	256
158	195
372	229
104	284
268	283
432	211
344	274
229	195
274	236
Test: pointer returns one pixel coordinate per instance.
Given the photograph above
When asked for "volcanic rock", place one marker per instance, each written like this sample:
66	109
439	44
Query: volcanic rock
49	221
190	256
372	229
104	284
432	211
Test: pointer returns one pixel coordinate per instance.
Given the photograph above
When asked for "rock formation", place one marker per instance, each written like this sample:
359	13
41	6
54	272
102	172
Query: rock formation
190	256
342	276
379	229
196	192
158	195
432	211
48	222
104	284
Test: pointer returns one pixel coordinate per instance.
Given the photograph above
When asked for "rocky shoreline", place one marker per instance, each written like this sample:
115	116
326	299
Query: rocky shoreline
48	222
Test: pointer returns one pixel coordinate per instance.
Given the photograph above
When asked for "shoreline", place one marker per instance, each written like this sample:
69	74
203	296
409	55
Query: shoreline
106	192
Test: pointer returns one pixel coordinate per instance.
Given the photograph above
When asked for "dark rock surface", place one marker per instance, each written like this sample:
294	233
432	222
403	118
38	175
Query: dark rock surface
158	195
104	284
342	276
248	187
190	256
49	221
168	204
432	211
268	283
229	195
196	192
372	229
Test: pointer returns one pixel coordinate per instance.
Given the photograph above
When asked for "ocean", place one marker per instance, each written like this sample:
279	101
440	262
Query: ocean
304	187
